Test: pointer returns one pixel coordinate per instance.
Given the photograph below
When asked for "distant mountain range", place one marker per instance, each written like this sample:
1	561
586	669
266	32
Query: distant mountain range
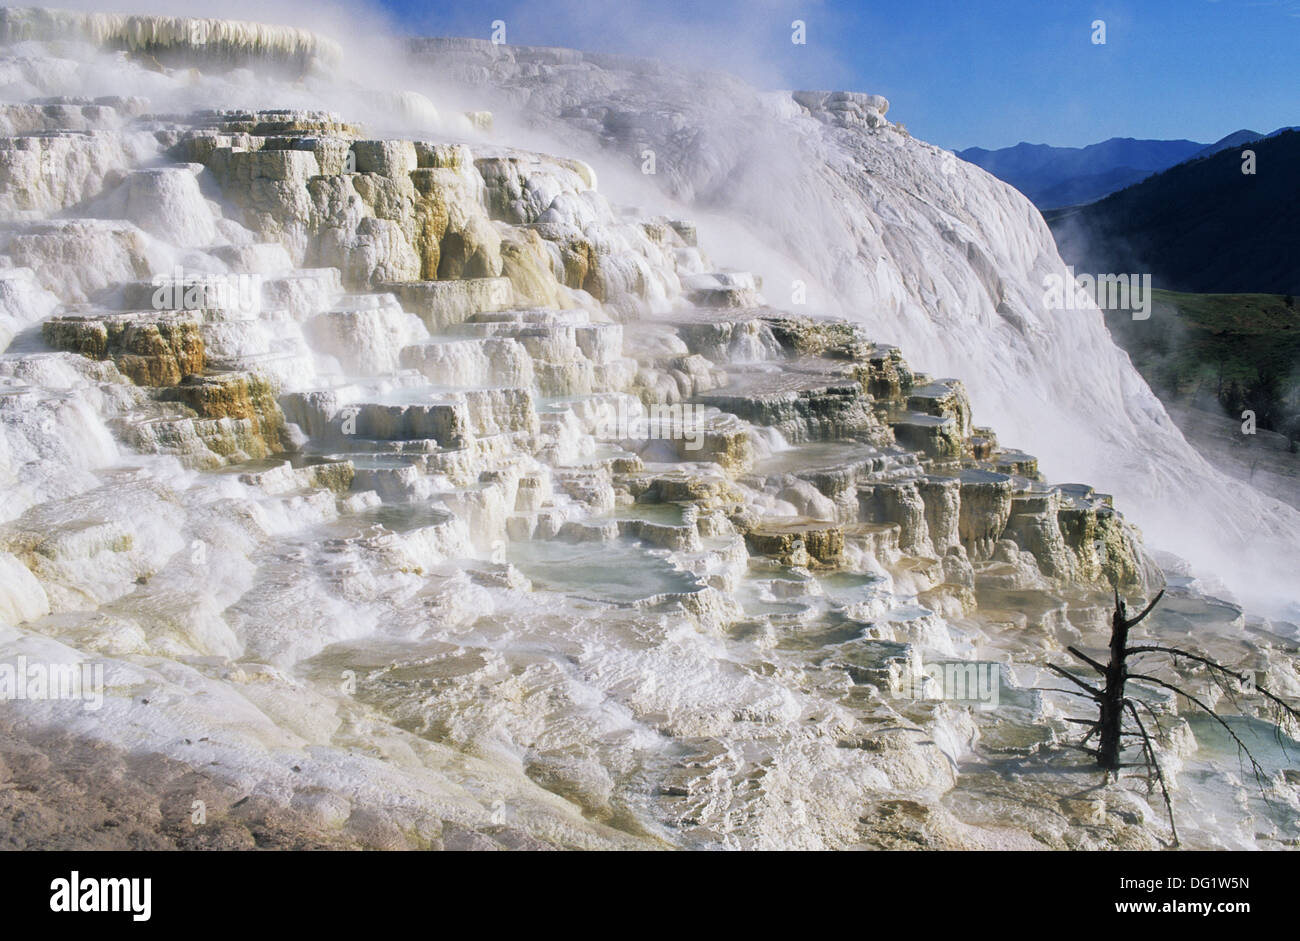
1054	177
1201	226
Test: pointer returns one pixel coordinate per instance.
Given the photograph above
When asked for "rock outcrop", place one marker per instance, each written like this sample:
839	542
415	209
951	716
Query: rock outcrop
150	349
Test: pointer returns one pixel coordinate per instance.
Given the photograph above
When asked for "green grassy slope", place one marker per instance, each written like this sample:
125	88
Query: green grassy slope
1241	351
1200	226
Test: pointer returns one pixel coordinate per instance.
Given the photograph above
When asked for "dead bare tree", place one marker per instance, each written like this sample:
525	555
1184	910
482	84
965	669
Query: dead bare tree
1114	706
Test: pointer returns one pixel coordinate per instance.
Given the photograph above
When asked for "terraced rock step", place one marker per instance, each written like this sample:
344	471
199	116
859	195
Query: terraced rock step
151	348
1014	463
467	363
939	436
449	418
444	304
797	540
723	289
286	476
943	398
805	399
728	336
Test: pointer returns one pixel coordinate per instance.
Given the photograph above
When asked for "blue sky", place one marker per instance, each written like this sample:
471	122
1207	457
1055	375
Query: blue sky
958	73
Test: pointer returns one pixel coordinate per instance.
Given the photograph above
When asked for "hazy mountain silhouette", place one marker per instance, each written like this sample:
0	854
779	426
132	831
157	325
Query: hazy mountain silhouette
1202	226
1237	139
1065	176
1054	177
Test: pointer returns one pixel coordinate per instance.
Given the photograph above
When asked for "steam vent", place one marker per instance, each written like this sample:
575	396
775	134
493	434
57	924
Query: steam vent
410	488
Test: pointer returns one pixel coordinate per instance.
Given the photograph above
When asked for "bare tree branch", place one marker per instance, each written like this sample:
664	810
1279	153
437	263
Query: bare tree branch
1147	609
1113	705
1088	660
1151	755
1092	690
1255	765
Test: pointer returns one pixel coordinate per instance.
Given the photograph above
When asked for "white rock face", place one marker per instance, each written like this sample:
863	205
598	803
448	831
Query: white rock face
22	597
167	204
50	441
79	259
23	302
218	38
929	252
366	336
